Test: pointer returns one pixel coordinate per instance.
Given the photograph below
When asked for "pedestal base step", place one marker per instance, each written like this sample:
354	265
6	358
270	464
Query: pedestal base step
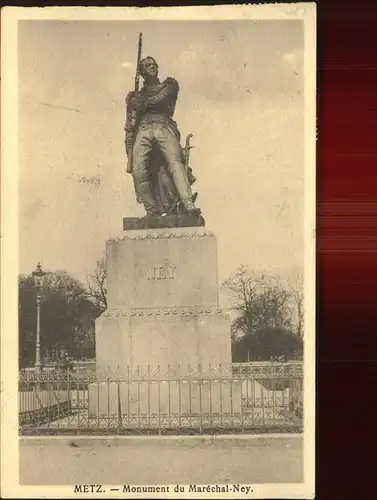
160	222
174	397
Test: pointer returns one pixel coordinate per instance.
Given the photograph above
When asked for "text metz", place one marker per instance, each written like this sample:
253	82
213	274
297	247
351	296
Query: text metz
88	488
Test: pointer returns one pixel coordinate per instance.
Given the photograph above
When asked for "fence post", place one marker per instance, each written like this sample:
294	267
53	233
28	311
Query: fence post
169	403
262	401
149	396
49	417
108	401
179	395
200	400
78	401
231	392
119	409
98	406
241	406
210	394
58	384
221	394
274	390
190	408
159	398
128	397
68	390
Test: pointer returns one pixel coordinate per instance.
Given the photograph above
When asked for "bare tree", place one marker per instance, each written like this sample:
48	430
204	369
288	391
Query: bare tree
272	305
96	285
244	285
269	313
260	300
296	288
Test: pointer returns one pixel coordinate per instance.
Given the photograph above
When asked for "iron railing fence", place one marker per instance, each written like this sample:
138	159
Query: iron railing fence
241	398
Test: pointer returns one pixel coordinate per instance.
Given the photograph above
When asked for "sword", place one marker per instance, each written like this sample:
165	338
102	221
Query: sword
187	151
187	159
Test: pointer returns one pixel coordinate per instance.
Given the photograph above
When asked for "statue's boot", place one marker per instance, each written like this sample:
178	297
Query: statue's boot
148	200
189	206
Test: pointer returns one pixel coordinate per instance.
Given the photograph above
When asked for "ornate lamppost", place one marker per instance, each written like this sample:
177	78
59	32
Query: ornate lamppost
38	281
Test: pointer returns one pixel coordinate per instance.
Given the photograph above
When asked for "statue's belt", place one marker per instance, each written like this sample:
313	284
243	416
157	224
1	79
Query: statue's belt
151	118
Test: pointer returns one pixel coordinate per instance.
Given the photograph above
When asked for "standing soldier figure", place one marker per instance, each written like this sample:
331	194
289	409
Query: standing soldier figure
151	132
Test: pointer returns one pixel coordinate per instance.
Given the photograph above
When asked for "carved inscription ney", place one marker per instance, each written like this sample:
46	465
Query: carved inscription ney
159	273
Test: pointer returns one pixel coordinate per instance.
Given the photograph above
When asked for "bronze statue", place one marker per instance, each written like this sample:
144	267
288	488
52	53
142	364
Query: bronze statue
159	165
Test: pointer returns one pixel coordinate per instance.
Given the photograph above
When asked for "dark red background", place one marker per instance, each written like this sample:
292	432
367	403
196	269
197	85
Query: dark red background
347	250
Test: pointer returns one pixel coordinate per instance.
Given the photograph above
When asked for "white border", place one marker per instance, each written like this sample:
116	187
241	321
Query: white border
9	224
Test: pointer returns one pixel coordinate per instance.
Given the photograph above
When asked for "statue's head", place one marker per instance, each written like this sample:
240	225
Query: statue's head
148	67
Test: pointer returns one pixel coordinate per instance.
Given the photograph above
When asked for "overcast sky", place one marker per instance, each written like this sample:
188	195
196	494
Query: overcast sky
241	96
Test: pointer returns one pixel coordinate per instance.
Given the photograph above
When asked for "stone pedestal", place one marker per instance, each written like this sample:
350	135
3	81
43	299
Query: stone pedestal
131	340
157	268
163	310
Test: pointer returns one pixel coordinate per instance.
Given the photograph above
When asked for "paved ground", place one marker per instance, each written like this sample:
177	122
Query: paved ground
161	460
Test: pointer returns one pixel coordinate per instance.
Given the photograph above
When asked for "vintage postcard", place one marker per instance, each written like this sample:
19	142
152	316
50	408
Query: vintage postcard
158	252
